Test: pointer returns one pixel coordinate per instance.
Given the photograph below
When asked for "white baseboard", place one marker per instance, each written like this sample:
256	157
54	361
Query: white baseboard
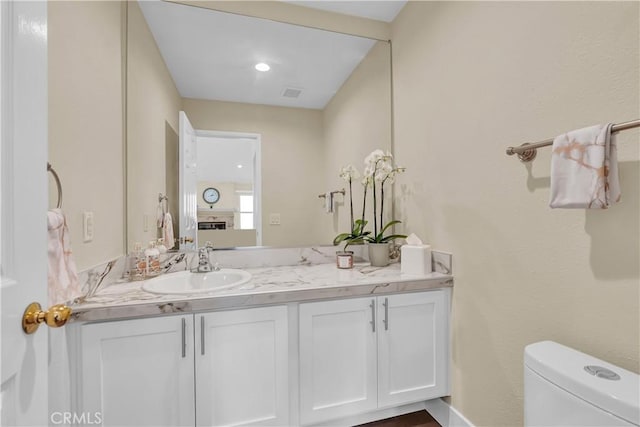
445	414
380	414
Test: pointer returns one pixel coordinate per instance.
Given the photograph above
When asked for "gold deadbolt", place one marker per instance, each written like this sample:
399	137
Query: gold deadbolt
55	317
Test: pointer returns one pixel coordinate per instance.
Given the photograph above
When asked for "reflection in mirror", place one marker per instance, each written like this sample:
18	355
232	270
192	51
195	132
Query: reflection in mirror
312	110
114	99
228	175
86	127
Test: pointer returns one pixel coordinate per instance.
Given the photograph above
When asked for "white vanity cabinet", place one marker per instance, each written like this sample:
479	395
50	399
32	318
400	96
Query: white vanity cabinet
242	362
331	361
337	359
137	372
413	347
362	354
222	368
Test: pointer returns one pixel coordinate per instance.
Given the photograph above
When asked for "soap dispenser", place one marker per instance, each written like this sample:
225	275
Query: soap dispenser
161	247
152	255
137	263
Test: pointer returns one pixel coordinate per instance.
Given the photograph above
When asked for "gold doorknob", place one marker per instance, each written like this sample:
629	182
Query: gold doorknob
55	317
184	240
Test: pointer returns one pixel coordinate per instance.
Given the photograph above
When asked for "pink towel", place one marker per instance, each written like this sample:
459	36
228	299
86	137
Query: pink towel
62	279
584	169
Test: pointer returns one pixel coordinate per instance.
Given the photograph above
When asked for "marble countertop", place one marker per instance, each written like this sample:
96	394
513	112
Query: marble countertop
268	285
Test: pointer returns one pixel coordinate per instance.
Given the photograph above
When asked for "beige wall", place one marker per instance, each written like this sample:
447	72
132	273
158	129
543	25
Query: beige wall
86	123
470	79
153	104
356	122
227	238
292	163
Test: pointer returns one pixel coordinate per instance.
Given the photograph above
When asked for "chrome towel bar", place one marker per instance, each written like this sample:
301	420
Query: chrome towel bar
58	184
343	192
527	151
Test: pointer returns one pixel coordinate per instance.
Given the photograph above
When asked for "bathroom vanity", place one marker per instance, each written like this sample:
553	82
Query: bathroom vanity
296	345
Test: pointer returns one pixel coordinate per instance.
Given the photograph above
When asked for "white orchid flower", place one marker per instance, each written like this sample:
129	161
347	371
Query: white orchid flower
368	171
391	177
373	157
349	173
383	171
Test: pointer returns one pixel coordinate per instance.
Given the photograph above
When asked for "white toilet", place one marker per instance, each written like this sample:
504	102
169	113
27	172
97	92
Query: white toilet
564	387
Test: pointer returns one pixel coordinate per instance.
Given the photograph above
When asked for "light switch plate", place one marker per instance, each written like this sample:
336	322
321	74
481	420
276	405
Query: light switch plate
274	219
87	226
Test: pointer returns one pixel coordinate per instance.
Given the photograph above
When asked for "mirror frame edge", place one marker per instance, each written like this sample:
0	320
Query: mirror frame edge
287	13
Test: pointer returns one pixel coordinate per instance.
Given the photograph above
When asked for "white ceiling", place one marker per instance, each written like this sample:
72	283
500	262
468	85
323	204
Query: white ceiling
379	10
211	55
218	159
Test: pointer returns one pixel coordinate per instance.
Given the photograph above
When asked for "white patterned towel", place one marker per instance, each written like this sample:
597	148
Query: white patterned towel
62	276
167	231
584	169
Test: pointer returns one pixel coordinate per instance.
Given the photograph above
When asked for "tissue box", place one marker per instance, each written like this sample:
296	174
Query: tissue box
415	260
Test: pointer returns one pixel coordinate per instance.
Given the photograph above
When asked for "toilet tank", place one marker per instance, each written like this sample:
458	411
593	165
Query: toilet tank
564	387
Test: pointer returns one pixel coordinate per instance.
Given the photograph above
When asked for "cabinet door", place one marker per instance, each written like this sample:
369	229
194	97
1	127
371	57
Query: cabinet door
337	359
242	367
412	348
138	372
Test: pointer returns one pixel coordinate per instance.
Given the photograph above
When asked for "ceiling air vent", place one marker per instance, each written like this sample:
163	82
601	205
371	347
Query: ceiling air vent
291	92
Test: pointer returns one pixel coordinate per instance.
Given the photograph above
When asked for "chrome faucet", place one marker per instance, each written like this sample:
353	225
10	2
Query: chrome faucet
204	262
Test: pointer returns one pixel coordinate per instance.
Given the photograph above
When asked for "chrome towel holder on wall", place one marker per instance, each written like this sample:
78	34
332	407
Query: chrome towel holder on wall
528	151
343	192
58	184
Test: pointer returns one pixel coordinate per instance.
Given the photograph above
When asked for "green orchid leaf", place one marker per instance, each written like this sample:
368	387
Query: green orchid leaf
389	224
392	237
359	228
340	237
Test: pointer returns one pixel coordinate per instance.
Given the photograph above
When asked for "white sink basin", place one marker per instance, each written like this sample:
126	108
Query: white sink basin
186	282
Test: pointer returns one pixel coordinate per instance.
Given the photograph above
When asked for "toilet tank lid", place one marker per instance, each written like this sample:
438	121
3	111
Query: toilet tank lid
565	367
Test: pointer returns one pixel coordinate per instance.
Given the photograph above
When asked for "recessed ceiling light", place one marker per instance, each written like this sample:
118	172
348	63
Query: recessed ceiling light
262	67
239	166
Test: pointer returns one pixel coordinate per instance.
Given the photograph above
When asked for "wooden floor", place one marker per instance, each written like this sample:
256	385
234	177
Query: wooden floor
414	419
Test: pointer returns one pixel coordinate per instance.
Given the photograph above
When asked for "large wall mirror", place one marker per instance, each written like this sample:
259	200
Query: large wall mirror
271	141
268	142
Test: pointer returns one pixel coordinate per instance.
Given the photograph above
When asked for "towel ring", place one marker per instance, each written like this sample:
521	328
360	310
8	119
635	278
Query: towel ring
164	206
58	184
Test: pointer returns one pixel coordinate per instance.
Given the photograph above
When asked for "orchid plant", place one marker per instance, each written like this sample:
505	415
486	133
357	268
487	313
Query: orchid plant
357	235
379	170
